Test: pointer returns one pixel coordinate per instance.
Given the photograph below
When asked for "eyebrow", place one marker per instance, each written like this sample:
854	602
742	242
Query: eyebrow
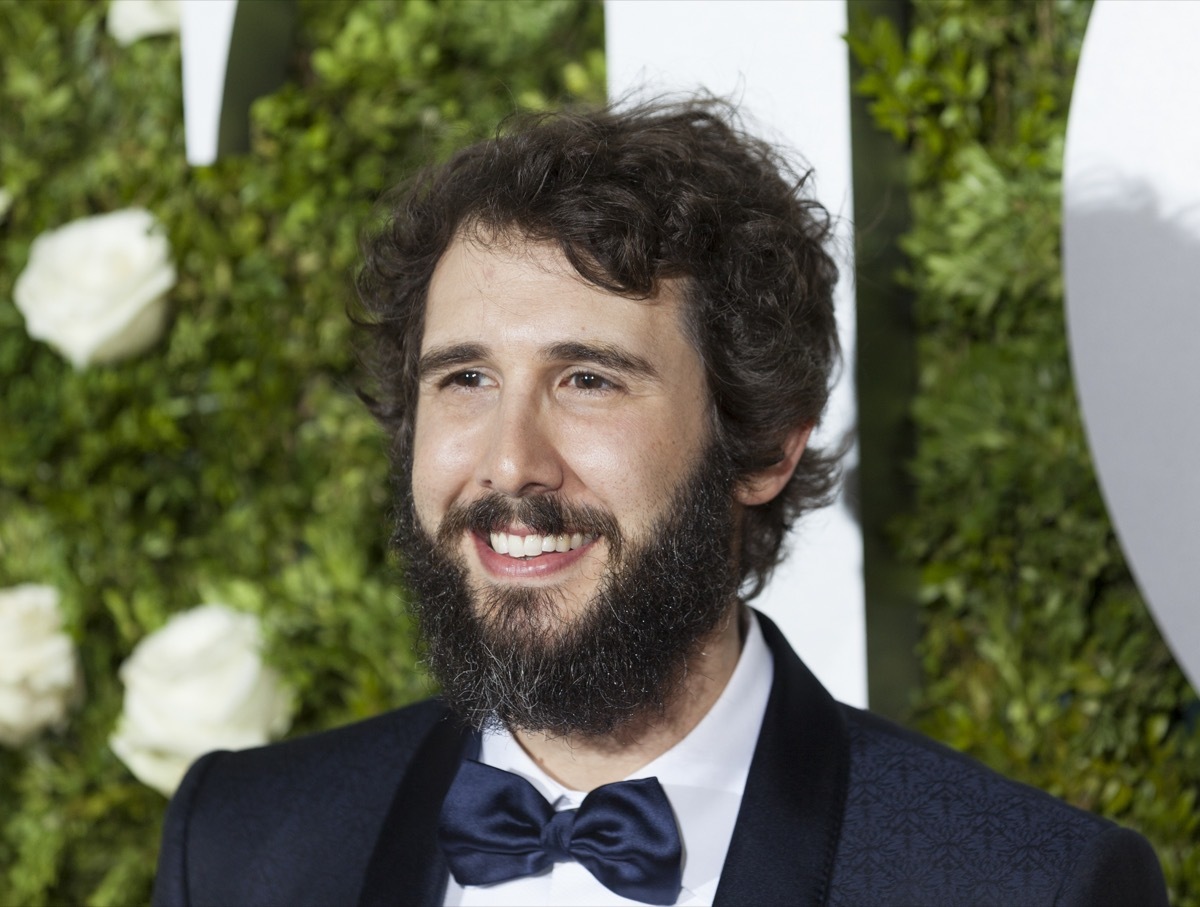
603	355
445	357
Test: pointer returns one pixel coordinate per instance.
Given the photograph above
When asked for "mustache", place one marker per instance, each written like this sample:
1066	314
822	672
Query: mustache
542	514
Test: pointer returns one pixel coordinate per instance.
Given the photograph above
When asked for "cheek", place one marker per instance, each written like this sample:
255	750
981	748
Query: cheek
632	466
441	465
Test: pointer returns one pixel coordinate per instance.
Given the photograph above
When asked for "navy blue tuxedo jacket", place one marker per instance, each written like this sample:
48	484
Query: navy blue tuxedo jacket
840	807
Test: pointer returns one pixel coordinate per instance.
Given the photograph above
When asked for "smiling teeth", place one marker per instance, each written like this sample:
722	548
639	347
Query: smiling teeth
534	545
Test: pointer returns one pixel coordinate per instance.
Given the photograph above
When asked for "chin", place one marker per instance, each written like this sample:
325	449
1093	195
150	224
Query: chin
586	641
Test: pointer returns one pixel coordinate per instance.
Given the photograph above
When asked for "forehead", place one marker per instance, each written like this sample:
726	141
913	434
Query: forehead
526	296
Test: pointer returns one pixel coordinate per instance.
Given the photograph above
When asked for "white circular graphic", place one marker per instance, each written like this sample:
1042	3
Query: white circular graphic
1131	234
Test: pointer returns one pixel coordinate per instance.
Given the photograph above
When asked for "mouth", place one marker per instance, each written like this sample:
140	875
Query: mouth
531	545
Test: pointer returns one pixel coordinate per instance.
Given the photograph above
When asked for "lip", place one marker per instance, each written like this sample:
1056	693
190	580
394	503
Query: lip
545	565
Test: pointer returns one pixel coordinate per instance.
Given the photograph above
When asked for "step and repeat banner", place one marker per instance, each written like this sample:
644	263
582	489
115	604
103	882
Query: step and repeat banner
1131	250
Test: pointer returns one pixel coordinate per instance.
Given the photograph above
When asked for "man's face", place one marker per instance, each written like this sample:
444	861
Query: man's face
552	415
536	384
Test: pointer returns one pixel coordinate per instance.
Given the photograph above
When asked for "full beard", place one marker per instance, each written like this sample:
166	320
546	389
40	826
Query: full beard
510	655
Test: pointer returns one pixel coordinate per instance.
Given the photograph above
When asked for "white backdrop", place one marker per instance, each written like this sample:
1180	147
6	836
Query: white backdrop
786	63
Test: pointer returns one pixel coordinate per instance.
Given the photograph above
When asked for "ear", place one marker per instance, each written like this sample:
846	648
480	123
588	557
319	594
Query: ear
765	484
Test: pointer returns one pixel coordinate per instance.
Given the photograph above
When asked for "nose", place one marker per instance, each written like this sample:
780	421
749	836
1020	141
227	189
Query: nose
521	457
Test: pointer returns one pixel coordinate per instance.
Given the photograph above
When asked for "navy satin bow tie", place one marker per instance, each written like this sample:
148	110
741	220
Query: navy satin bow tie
496	826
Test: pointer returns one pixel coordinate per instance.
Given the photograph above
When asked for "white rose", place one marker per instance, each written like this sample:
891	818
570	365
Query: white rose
131	20
39	676
95	288
196	685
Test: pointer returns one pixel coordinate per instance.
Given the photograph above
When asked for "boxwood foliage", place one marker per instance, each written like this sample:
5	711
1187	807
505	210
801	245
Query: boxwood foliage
233	461
1038	654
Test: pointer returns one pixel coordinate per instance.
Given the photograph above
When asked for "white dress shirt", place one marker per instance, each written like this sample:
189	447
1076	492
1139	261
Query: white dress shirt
703	776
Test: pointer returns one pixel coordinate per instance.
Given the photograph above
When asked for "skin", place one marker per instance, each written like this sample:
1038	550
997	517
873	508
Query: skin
535	382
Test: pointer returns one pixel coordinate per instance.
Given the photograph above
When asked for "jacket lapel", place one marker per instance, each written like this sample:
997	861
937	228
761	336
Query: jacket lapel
787	830
407	867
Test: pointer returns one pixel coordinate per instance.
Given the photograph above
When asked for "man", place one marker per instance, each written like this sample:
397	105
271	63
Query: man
602	342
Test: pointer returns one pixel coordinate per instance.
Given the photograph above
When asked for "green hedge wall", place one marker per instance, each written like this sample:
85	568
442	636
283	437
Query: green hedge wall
232	462
1038	653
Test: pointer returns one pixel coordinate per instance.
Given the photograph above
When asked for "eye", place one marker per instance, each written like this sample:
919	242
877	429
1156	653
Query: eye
590	381
469	378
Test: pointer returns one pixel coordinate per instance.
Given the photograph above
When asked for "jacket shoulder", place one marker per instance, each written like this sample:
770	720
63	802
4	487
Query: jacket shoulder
926	824
292	822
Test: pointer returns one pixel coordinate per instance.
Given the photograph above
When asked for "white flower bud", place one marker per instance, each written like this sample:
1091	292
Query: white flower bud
95	289
39	675
132	20
196	685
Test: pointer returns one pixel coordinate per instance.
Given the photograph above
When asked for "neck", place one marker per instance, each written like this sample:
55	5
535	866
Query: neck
584	763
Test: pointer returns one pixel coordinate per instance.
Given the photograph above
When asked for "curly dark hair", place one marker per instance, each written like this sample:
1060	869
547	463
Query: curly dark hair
633	197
